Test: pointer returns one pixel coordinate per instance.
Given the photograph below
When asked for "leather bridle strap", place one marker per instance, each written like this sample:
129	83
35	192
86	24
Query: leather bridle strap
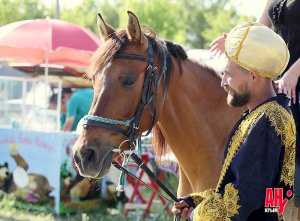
130	56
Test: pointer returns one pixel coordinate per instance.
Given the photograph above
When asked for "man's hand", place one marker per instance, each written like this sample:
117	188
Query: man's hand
183	209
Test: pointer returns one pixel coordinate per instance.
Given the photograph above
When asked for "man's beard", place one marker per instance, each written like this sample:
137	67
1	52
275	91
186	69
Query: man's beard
235	99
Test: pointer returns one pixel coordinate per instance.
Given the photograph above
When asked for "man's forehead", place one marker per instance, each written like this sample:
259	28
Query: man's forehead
233	68
228	67
231	65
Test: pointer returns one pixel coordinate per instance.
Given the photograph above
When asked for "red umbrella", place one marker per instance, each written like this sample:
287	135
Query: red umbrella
47	41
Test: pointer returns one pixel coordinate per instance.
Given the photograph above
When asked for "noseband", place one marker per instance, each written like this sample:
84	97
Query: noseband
130	127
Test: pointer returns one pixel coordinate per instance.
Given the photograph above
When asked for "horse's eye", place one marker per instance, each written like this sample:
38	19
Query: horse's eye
127	81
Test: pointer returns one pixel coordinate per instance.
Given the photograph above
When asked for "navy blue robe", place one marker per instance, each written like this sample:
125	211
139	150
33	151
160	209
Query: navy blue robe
260	154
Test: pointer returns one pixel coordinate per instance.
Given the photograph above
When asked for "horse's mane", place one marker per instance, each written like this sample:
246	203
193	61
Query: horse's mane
160	145
114	44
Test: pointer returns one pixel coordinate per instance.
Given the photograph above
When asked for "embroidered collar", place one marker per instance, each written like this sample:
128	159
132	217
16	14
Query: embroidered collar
281	99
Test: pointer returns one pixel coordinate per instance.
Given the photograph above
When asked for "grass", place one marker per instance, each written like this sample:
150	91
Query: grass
12	209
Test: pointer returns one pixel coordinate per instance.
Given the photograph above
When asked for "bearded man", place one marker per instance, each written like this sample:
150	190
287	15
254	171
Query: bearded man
260	153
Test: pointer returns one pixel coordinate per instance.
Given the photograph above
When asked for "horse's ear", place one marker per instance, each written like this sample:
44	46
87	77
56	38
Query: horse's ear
105	29
134	30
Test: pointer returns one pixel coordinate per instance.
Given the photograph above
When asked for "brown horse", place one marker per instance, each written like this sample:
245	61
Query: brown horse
191	116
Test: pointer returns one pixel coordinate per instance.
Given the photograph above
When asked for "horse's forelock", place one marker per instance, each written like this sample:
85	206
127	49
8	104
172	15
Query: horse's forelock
105	53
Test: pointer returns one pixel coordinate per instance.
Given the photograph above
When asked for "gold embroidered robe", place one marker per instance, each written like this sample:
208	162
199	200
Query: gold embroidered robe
260	154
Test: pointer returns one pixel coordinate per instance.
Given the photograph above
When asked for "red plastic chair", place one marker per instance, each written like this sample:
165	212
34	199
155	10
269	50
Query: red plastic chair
137	186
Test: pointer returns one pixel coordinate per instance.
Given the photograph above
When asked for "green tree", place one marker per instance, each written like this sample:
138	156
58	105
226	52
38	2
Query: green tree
163	16
222	19
193	14
86	14
15	10
83	14
193	23
207	19
109	10
217	26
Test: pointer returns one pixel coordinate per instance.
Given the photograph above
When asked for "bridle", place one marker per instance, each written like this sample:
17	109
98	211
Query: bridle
130	128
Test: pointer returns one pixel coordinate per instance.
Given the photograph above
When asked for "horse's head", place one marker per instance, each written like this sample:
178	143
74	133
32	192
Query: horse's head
129	75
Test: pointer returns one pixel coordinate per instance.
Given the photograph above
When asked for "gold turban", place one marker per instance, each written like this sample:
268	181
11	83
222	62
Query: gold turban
258	49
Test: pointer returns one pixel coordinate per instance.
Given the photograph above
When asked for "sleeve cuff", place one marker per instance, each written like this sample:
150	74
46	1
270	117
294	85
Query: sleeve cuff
197	198
216	207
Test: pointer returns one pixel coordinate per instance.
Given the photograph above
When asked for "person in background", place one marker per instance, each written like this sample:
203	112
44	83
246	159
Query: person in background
78	105
65	95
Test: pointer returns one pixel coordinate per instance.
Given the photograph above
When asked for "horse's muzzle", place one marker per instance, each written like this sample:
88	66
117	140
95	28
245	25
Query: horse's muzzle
93	163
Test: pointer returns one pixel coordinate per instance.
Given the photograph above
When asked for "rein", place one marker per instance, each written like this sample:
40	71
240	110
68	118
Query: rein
152	176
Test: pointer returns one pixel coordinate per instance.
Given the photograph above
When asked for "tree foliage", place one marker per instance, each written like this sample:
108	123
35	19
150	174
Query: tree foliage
15	10
194	23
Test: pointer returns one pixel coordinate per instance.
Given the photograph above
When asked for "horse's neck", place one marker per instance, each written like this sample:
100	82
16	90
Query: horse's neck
195	121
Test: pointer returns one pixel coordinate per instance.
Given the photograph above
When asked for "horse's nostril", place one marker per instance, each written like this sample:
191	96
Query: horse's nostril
88	155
